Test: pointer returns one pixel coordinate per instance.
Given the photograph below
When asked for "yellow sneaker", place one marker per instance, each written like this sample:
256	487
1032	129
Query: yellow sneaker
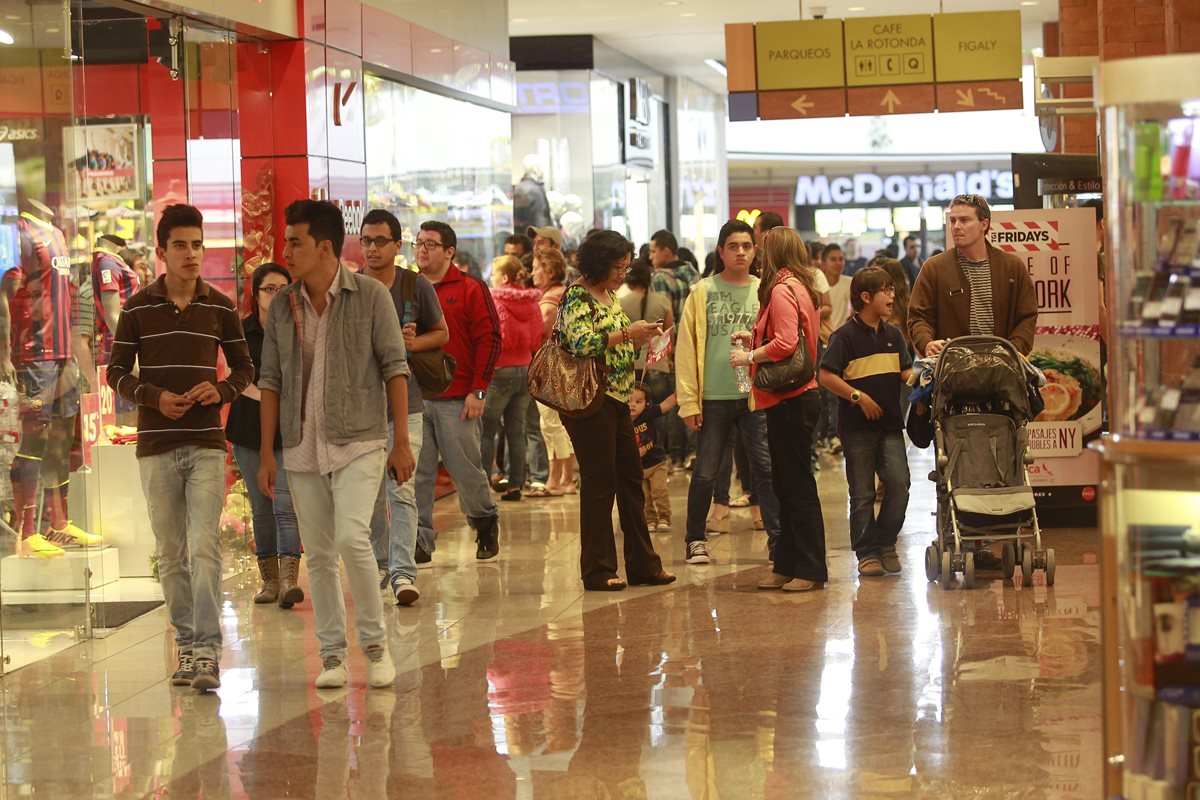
36	546
73	534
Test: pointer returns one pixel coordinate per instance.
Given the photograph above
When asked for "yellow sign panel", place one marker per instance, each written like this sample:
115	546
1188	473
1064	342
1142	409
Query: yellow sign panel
887	51
803	54
977	46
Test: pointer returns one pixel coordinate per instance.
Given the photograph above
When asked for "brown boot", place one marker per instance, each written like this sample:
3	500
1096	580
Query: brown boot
268	568
289	571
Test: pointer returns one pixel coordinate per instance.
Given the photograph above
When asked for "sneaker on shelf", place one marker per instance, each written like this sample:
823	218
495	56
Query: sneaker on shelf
73	535
404	592
423	558
380	670
36	546
186	672
208	676
385	587
870	567
835	445
333	673
697	553
662	526
891	560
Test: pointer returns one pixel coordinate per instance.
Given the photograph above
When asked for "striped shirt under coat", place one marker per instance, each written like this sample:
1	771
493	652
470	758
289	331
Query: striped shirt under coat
176	349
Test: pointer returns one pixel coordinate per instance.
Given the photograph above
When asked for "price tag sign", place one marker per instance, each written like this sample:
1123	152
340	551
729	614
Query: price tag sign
91	427
108	400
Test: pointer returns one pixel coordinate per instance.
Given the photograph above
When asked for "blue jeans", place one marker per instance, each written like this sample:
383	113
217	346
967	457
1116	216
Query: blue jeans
456	440
276	531
508	399
394	521
720	419
535	446
870	453
185	492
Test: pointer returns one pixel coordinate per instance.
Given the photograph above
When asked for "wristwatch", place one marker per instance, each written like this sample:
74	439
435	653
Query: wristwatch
479	394
855	396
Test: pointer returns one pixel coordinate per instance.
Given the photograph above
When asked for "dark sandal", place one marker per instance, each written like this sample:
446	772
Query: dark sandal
661	579
610	585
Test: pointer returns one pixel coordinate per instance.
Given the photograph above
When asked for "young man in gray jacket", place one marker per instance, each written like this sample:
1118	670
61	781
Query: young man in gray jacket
333	343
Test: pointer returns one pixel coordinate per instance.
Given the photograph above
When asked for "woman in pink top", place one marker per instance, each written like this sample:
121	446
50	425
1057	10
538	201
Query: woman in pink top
508	396
787	296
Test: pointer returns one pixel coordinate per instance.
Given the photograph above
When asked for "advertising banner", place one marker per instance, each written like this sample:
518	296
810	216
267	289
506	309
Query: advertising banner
102	160
1059	247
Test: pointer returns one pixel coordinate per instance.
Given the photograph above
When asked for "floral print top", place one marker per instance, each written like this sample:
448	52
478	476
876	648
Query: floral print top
586	325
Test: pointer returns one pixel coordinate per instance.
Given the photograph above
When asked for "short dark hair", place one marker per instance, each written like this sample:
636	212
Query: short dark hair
816	250
179	215
130	256
324	219
976	201
263	270
768	220
638	276
523	240
381	216
599	251
685	254
829	248
909	238
869	280
112	238
449	237
644	388
666	240
730	228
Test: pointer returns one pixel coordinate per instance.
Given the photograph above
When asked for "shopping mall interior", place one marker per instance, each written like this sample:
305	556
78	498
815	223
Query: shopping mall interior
1052	652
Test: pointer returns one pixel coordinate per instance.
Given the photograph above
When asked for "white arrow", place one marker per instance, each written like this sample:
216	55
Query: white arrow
802	105
891	101
966	98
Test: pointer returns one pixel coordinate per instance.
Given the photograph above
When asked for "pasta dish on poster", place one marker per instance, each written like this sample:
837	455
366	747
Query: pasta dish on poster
1059	247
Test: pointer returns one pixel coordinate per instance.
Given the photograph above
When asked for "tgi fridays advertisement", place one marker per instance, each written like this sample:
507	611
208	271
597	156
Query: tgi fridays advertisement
1059	246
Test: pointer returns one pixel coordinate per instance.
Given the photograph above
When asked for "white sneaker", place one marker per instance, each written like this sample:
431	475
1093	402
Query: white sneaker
385	589
380	670
697	553
404	593
663	526
333	674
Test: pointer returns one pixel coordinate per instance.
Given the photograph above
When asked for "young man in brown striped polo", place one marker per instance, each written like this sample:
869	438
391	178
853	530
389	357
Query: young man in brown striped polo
174	328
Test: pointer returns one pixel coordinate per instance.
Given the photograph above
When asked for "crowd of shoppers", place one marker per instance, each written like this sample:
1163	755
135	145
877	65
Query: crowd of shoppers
350	390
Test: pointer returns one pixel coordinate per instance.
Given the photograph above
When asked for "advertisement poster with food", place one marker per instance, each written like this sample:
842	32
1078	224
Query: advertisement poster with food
1059	247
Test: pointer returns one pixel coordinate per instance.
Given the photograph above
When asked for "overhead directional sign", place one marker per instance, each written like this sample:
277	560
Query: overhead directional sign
886	51
803	54
977	46
874	66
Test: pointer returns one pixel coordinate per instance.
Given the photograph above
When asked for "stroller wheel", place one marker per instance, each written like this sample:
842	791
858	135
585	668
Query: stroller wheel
1008	555
947	569
969	570
1050	566
931	563
1026	566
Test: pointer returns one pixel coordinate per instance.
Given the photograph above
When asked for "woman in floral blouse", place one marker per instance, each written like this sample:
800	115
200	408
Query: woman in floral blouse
609	464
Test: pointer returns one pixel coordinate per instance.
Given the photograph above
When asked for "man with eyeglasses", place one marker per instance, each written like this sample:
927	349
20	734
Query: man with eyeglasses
394	522
972	288
710	401
452	426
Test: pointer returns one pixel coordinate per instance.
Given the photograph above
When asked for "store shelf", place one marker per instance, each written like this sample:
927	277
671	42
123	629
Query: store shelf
1125	449
1159	331
1167	435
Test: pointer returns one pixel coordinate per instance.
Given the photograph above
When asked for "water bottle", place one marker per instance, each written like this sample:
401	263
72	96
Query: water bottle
743	372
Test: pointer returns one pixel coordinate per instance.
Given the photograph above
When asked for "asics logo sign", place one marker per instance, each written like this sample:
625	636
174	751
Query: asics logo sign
8	134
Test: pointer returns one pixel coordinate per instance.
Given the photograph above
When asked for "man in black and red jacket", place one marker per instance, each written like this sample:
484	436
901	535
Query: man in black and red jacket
452	422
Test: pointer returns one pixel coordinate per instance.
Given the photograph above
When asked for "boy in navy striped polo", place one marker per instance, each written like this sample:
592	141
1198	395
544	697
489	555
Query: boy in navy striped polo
864	365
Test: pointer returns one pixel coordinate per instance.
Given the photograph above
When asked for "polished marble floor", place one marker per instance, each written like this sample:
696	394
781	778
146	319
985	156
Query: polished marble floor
515	683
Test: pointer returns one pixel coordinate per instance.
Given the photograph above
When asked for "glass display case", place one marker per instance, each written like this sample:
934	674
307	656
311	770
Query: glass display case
1150	514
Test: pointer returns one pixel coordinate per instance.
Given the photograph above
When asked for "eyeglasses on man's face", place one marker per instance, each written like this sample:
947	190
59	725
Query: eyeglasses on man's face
427	244
379	241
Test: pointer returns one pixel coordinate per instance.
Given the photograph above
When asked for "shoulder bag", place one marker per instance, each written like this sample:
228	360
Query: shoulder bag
572	385
434	369
794	371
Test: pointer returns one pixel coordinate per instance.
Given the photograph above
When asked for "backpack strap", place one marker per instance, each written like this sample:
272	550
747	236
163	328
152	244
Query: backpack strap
408	291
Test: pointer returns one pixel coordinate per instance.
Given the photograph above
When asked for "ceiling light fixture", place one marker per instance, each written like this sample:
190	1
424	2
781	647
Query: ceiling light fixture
673	3
6	37
857	8
719	66
519	20
1029	2
688	14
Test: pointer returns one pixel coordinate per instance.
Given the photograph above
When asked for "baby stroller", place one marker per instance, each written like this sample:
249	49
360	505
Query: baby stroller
980	408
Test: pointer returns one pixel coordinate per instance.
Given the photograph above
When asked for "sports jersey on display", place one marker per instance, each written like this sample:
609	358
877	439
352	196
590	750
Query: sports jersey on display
41	305
110	273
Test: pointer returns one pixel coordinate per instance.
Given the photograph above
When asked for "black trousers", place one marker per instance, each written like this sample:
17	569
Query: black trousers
610	468
791	424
